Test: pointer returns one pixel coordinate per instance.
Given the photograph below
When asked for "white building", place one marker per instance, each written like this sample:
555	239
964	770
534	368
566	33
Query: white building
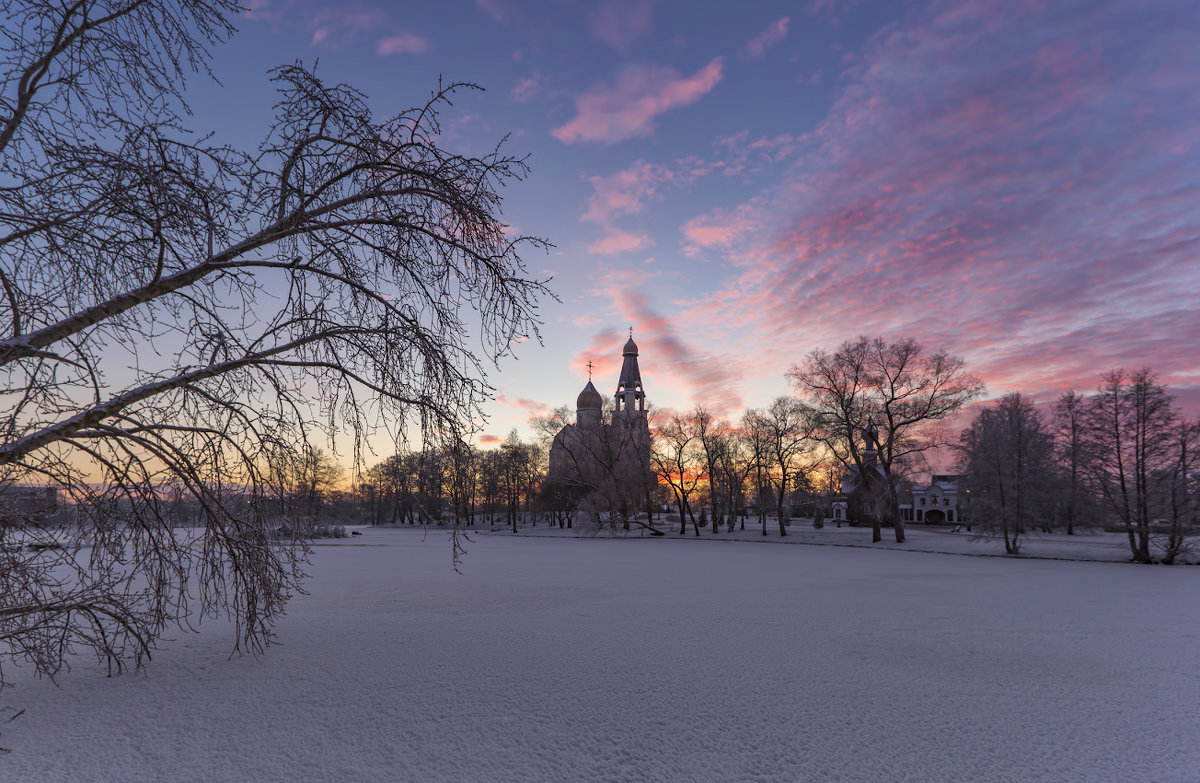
935	503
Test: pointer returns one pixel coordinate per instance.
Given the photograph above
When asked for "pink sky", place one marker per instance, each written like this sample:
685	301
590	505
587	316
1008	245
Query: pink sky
1016	181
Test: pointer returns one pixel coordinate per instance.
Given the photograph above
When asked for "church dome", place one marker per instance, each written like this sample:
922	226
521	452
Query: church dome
589	398
630	348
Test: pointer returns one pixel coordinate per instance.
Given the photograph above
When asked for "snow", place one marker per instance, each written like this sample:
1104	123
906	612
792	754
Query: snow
1087	544
654	659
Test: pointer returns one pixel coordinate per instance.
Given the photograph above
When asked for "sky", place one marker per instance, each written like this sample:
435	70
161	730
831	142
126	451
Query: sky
1015	181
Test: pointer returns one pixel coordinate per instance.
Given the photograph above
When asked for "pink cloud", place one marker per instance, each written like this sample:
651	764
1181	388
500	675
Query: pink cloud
739	156
261	10
668	360
529	88
336	28
403	43
621	23
1013	184
603	352
349	25
756	47
627	192
627	109
618	241
528	407
720	229
708	235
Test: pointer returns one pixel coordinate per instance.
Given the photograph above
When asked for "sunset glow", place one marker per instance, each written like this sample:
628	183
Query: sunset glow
1017	182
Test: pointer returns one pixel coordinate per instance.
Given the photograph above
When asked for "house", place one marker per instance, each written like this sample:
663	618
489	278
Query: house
935	503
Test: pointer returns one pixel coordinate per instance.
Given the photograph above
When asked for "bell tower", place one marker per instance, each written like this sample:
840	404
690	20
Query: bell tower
631	398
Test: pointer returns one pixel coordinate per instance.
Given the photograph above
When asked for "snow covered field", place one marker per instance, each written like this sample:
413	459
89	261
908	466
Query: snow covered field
567	659
1090	545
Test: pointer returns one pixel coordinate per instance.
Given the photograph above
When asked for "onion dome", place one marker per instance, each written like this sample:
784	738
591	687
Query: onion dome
630	348
589	398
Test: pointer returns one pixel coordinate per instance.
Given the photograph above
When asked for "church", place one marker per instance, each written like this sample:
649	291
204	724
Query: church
601	463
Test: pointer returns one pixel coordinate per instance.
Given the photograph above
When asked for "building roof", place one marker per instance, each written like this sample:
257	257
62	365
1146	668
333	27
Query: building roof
589	398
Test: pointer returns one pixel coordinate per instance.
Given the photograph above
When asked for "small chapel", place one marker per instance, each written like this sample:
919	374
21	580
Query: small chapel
605	459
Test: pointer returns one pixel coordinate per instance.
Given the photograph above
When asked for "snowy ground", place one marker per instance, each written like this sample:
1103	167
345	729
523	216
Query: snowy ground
1087	544
656	659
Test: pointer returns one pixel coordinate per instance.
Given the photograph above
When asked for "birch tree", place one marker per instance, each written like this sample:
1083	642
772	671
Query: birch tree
175	311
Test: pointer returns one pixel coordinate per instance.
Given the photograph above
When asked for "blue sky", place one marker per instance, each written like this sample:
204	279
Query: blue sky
1016	181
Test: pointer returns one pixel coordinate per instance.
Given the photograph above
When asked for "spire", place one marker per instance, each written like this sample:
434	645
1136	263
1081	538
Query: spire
630	395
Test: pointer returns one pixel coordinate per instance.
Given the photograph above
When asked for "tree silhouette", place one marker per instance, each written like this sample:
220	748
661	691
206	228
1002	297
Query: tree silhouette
178	313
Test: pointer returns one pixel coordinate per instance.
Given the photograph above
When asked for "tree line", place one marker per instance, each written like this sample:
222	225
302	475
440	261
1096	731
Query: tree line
871	411
1125	455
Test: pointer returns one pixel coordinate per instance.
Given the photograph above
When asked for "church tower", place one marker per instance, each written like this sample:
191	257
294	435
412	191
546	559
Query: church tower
631	399
605	466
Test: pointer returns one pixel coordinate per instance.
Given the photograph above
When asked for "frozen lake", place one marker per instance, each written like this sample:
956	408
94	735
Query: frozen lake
655	659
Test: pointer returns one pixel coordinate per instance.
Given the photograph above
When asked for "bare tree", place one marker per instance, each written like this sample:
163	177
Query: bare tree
787	430
714	440
758	443
1006	453
736	464
1069	422
896	388
678	462
491	468
462	480
1130	442
178	312
515	454
558	495
1183	492
311	478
